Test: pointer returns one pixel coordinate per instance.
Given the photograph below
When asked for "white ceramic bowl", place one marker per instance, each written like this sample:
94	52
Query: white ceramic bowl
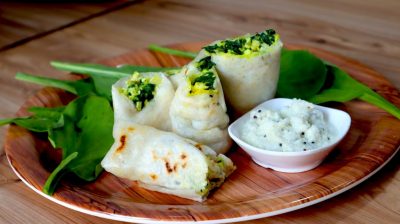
291	162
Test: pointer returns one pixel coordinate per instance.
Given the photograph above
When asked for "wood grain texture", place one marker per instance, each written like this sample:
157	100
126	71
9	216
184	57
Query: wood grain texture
373	138
338	27
21	22
367	31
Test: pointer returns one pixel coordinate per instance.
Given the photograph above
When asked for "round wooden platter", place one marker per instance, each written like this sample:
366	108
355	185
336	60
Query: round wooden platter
250	192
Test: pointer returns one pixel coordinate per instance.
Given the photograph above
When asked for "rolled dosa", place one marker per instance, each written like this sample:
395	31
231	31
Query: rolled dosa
165	162
248	67
198	109
131	100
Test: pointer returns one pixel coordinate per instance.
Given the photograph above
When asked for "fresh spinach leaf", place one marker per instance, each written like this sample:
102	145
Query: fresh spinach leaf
98	85
90	69
137	68
344	88
78	87
302	74
87	131
339	87
166	50
31	123
97	70
103	86
42	120
50	186
49	112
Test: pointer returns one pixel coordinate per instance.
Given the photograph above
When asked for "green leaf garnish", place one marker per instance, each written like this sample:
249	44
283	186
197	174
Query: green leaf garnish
345	88
166	50
87	134
302	75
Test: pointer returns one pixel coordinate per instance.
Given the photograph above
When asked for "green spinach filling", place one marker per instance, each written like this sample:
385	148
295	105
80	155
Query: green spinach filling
216	174
207	79
203	83
140	90
246	44
205	63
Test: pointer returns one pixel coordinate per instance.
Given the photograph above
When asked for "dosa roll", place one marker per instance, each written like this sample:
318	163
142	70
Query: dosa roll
165	162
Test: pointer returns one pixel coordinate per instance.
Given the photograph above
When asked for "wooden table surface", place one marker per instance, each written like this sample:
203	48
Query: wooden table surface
33	34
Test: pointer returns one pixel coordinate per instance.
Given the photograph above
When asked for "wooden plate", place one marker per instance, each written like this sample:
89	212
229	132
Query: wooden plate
250	192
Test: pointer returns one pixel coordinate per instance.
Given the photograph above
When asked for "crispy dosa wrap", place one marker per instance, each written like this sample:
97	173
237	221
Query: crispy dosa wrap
165	162
248	67
143	98
198	110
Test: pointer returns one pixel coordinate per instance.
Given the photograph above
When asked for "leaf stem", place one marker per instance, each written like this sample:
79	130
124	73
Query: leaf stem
6	121
107	71
377	100
185	54
52	180
89	69
62	84
138	68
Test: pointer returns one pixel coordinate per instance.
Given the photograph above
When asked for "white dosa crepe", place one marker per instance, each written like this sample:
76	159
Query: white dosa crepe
200	117
165	162
155	113
248	81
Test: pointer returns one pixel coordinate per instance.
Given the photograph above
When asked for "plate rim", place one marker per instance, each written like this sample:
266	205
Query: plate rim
243	217
133	219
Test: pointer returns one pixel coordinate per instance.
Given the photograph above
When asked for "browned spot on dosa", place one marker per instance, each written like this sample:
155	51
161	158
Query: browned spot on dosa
122	141
198	146
184	160
183	156
153	176
131	129
168	167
